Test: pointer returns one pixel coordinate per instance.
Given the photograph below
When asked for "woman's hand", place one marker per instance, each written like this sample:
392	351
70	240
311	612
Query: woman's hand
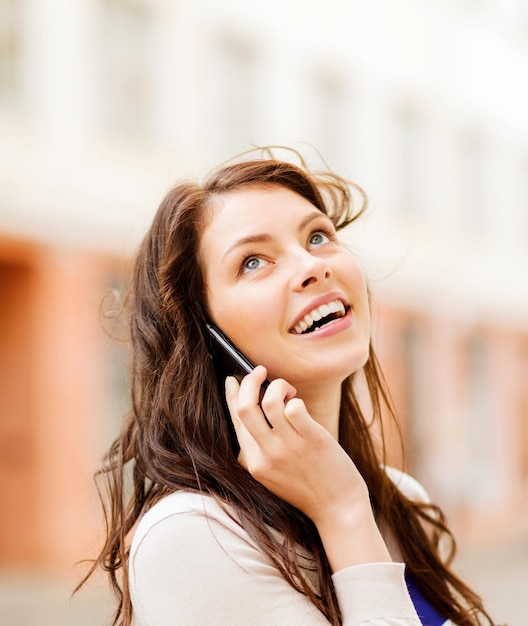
298	460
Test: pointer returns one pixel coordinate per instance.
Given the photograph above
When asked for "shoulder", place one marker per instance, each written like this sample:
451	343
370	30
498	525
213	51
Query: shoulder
408	486
179	502
182	544
414	491
192	559
173	511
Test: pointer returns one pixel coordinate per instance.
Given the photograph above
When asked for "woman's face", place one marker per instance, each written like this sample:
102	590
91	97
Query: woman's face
283	288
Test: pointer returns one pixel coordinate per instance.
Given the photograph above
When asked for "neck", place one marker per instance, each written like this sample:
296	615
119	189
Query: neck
323	404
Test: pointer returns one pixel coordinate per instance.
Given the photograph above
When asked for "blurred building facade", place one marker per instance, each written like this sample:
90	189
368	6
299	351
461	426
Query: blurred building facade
105	103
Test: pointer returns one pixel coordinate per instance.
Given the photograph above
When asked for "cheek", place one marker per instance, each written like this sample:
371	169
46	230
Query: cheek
218	307
247	323
232	314
355	276
219	299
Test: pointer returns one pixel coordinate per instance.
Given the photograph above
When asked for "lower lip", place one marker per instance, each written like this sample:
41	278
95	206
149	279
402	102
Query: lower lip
333	328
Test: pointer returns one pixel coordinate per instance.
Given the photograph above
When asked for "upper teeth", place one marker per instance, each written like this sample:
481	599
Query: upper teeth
336	306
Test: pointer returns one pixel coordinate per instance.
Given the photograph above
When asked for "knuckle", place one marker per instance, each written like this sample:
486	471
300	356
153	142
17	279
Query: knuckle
294	407
258	469
276	458
243	410
268	402
266	464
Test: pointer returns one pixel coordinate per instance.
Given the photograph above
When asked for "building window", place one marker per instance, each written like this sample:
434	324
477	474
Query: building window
9	48
410	159
117	357
524	415
416	368
125	68
523	199
330	117
230	91
481	475
472	183
515	11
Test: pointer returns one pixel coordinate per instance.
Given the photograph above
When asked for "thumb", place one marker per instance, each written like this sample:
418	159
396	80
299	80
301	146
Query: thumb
244	438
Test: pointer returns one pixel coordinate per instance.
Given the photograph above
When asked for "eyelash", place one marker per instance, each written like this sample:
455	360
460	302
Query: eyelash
325	230
246	258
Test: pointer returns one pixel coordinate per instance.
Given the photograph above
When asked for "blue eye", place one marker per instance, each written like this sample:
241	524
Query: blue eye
318	239
251	263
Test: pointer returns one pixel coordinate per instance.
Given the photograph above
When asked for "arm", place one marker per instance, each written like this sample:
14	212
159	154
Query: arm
299	461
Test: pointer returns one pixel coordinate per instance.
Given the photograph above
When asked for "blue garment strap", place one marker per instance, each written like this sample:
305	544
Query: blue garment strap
428	615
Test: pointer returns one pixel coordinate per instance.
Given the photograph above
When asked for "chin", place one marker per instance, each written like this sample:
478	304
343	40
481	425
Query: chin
355	359
325	373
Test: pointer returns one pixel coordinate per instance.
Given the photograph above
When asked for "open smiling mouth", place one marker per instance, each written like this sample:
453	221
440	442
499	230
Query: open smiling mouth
320	316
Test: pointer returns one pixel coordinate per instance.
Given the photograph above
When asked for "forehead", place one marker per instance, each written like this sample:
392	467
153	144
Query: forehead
254	208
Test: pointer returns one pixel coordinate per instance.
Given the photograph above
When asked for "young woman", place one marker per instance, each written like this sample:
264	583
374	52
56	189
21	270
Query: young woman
296	520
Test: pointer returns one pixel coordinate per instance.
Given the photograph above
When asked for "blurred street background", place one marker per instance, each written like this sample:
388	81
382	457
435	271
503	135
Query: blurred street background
104	104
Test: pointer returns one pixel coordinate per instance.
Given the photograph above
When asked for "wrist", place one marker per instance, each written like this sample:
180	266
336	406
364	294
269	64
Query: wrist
350	536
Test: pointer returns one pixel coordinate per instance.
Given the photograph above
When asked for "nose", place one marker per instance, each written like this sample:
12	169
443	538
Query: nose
309	270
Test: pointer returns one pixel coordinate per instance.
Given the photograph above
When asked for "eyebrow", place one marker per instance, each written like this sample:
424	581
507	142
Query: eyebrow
265	237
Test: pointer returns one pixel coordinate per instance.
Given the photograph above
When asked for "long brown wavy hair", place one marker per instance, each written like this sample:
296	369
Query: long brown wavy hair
177	435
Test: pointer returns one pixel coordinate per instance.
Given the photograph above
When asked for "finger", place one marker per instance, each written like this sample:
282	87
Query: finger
296	414
231	391
231	394
247	406
278	392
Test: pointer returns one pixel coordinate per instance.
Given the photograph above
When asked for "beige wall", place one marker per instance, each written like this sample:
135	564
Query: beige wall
461	394
55	389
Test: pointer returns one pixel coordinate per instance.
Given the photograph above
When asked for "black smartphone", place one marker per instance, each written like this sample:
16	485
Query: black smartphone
227	358
229	361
